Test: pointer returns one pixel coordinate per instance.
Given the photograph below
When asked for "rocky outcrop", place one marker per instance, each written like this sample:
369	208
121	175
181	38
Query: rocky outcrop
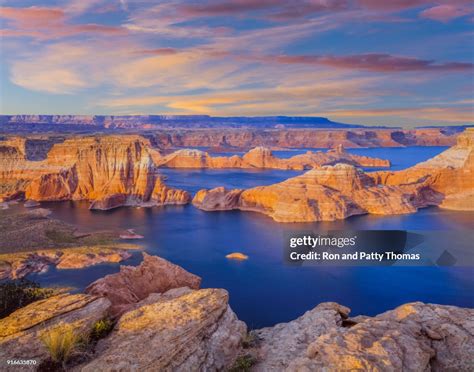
279	345
133	284
21	331
413	337
110	171
335	192
19	265
323	194
184	330
261	157
447	180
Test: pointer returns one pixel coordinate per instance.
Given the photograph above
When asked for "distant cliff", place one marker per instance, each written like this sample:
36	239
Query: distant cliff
175	121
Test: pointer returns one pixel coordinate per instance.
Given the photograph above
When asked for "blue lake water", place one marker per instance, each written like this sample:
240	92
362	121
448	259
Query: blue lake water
264	290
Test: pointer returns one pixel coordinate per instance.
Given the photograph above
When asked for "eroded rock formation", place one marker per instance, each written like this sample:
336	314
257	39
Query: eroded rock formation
184	330
413	337
110	171
133	284
261	157
335	192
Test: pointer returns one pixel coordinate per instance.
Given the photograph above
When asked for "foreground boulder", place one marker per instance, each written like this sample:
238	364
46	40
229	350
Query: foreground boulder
413	337
181	330
133	284
21	331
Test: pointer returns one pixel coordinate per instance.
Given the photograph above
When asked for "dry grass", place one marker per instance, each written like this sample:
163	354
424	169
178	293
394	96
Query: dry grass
62	342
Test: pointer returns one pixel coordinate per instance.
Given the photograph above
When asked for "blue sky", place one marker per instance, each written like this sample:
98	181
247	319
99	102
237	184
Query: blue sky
396	62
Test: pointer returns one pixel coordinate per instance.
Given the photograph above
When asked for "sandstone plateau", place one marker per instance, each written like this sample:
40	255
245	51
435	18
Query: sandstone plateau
170	327
261	157
109	171
335	192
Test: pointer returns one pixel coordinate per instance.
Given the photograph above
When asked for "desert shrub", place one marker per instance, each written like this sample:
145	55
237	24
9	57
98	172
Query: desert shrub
249	340
62	342
101	329
243	363
18	293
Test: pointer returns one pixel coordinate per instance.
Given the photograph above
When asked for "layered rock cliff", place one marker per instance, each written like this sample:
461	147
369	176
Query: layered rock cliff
110	171
262	157
447	180
335	192
247	138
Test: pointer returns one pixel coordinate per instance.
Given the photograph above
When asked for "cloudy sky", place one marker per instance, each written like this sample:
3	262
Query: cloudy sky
400	62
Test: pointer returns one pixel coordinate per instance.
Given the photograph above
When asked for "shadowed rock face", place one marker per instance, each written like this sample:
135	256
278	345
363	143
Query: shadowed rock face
261	157
335	192
133	284
110	171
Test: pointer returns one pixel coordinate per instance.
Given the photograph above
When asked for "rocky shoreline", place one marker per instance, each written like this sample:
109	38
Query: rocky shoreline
190	329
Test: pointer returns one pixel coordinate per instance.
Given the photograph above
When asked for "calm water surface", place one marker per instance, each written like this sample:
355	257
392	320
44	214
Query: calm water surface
263	289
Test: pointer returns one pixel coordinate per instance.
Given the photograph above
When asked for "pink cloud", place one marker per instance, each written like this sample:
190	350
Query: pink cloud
372	62
445	13
48	23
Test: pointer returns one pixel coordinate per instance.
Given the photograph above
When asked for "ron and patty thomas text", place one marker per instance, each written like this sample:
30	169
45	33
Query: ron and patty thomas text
314	242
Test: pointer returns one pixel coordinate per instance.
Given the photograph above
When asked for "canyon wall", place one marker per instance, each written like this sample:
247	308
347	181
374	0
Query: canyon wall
110	171
247	138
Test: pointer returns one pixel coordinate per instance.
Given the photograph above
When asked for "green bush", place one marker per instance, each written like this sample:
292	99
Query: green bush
18	293
101	329
243	363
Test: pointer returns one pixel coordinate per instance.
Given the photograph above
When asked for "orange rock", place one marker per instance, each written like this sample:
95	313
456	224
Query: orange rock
110	171
133	284
237	256
261	157
335	192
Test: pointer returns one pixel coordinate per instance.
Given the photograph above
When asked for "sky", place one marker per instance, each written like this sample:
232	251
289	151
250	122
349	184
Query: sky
374	62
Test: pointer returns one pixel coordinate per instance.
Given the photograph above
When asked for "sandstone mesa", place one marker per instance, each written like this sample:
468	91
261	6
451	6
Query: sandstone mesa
109	171
329	193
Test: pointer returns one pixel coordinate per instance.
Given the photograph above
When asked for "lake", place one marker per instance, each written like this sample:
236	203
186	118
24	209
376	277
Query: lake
264	290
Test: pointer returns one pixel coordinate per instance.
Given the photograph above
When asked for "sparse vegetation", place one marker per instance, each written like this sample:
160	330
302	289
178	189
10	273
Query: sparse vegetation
249	340
243	363
101	329
15	294
62	342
